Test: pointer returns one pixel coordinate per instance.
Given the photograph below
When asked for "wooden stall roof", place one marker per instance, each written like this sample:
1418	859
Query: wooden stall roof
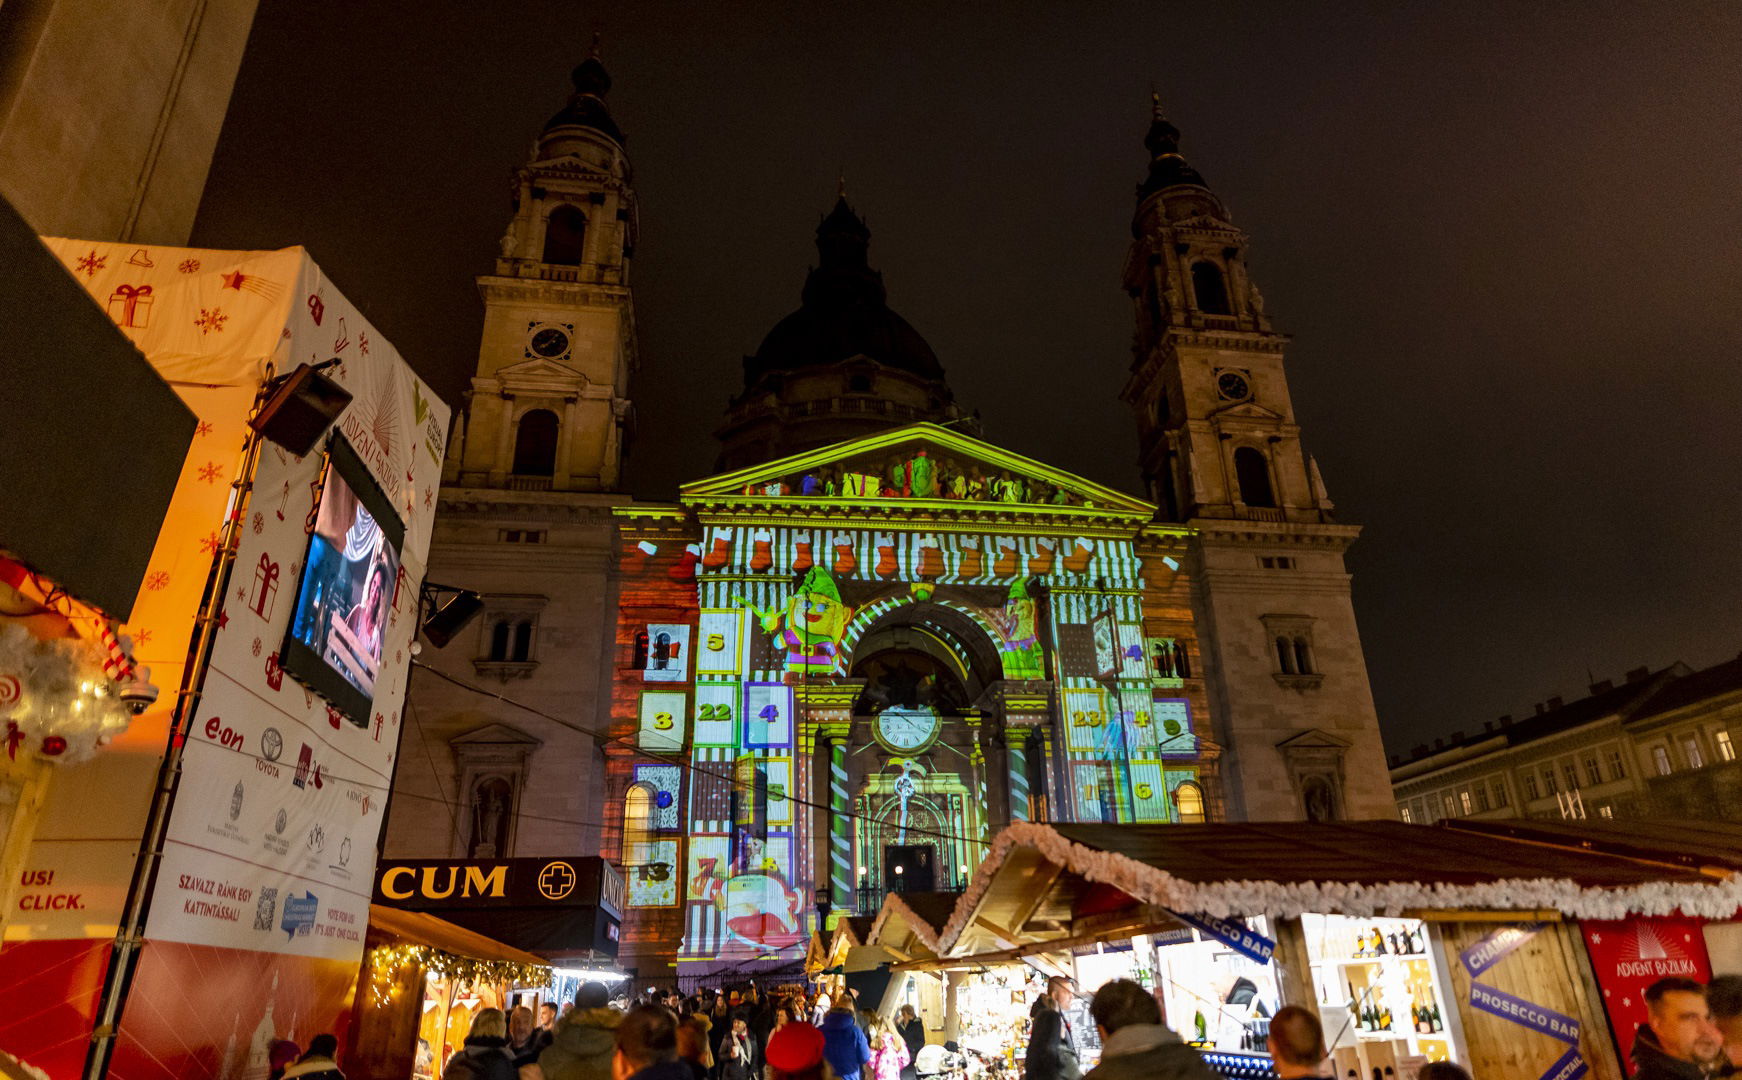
422	928
1697	845
1358	852
912	919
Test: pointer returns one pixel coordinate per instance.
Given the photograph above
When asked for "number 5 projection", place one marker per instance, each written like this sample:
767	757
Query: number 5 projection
767	716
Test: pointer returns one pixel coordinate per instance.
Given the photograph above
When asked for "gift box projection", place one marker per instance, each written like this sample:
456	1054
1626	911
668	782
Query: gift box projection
872	656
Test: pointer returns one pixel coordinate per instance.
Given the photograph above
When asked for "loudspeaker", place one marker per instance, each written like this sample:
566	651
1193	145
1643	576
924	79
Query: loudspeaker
451	617
301	410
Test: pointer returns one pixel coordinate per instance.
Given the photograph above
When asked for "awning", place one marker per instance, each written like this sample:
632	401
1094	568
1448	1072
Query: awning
422	928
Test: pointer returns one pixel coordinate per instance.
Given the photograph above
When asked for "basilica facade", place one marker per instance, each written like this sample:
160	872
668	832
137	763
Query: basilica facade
839	665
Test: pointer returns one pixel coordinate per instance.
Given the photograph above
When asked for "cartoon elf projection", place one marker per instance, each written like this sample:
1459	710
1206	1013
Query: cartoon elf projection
1016	623
811	625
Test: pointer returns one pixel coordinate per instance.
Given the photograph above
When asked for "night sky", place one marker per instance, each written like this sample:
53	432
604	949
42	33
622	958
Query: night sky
1504	237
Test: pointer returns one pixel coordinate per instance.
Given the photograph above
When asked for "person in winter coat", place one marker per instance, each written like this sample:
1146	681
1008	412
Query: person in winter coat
911	1029
844	1045
692	1045
1297	1044
1052	1055
280	1055
524	1044
739	1057
585	1039
888	1050
1678	1040
1135	1044
317	1063
645	1047
485	1053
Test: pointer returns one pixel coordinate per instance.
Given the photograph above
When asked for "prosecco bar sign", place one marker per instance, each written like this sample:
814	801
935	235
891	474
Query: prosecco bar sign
447	884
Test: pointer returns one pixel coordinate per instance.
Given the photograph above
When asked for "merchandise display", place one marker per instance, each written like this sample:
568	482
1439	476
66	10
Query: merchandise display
1378	982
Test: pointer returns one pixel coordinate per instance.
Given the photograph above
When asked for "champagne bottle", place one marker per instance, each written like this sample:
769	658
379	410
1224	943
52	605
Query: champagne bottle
1378	943
1438	1025
1199	1028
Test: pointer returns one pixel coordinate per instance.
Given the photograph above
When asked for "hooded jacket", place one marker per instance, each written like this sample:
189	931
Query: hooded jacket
315	1068
582	1046
1051	1053
481	1058
844	1045
1148	1052
1653	1063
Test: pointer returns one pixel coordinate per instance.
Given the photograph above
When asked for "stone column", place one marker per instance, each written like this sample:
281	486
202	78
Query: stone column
564	445
952	1015
1016	750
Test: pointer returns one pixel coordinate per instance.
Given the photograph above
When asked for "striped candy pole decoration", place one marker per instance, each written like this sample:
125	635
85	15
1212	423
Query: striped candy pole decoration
1016	741
840	828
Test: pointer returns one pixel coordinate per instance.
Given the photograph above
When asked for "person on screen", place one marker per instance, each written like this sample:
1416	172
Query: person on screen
365	619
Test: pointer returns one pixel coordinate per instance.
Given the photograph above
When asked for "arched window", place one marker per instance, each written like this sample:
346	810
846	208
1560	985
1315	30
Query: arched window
565	236
499	640
1284	656
660	656
637	826
1252	473
535	444
1182	665
1303	657
1188	800
523	640
639	660
1208	287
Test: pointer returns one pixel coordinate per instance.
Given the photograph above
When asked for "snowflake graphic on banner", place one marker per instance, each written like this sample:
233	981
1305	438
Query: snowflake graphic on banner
209	546
157	581
188	266
211	320
92	263
209	472
205	428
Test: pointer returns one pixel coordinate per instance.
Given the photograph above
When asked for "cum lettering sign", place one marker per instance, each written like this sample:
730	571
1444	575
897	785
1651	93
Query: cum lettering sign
442	884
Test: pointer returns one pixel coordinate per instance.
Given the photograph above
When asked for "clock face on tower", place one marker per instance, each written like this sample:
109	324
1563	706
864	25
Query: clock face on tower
550	342
907	731
1232	386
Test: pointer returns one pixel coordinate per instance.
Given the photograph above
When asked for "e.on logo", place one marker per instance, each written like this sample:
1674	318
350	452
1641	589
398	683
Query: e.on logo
439	882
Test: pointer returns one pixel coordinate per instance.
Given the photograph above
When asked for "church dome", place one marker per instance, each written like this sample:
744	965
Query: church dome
845	312
586	107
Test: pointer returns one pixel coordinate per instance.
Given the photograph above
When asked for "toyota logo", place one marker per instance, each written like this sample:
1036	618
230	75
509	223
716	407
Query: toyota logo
556	880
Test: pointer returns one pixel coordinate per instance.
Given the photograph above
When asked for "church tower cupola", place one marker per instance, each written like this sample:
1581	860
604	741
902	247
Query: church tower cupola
549	408
843	365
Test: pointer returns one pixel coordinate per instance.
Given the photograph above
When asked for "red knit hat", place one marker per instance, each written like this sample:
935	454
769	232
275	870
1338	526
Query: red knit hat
795	1046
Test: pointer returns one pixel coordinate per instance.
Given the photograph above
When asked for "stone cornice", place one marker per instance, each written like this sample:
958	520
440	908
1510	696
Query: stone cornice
1268	534
495	289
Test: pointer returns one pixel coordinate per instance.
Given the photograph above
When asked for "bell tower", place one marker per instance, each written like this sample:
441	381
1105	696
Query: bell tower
1220	450
548	407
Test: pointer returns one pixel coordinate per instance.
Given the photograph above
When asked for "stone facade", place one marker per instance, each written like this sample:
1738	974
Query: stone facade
1660	744
1221	452
109	113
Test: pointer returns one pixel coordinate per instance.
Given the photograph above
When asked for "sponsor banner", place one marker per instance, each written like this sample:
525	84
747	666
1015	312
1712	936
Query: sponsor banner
1495	947
202	898
68	889
1525	1013
1629	956
1235	934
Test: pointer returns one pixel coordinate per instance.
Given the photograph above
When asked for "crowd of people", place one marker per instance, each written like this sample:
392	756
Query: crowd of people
1693	1031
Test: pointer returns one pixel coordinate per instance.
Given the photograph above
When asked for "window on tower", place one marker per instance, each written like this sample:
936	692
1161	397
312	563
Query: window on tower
1252	473
535	444
1209	288
565	236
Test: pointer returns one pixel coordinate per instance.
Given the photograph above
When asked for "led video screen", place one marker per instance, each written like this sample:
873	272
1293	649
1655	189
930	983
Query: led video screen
339	621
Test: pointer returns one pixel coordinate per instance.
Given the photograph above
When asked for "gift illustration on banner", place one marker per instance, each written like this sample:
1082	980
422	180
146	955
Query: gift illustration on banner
316	307
274	673
130	306
265	587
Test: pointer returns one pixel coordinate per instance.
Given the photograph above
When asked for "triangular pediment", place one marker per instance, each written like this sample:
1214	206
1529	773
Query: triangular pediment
539	373
918	463
1314	739
495	734
1248	410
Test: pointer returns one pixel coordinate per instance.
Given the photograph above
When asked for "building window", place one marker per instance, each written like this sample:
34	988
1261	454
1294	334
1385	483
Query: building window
1188	799
1449	804
1424	810
1284	656
511	640
1465	801
1572	775
858	384
1252	473
565	236
637	827
1481	791
1210	290
1593	774
535	444
1276	562
1726	751
1605	811
1691	751
1660	759
521	536
1549	783
1501	798
1403	812
1303	656
1617	767
1530	789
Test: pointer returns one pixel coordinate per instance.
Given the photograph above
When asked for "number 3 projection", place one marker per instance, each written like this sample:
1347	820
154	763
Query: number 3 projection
662	719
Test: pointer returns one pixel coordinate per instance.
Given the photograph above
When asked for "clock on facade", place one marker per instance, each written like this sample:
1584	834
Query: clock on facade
550	342
1232	386
903	730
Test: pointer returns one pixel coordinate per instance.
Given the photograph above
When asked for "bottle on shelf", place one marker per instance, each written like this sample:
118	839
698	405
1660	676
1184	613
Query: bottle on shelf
1378	942
1437	1024
1200	1030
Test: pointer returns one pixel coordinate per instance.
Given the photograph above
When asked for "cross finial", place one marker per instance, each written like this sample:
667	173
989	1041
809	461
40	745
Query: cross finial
594	52
841	186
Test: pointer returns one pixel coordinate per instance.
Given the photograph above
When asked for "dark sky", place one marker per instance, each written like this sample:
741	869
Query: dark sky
1504	236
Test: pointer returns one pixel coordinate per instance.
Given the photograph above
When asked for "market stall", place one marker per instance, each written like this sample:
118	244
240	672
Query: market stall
1468	949
423	980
